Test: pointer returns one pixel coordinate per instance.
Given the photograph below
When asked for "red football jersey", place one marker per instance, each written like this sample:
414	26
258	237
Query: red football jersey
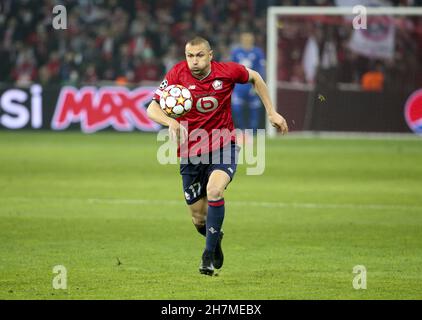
211	103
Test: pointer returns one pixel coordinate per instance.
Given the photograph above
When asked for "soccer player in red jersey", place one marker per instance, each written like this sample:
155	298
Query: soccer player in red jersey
211	84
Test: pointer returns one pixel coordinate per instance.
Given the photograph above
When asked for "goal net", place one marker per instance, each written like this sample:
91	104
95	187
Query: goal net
346	69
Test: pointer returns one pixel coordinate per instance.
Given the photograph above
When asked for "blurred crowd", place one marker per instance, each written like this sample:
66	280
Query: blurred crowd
313	51
130	41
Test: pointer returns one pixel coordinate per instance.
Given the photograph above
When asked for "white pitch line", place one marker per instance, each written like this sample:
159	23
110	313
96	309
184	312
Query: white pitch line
341	135
264	204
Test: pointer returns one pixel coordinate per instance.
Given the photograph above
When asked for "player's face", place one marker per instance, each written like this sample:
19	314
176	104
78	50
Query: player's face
199	59
247	40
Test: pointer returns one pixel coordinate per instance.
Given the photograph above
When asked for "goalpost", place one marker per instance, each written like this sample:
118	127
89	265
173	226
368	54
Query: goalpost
273	14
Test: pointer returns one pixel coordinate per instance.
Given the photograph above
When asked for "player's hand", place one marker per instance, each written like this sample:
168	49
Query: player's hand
177	132
278	122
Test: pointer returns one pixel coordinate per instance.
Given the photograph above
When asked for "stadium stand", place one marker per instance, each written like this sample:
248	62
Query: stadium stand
135	41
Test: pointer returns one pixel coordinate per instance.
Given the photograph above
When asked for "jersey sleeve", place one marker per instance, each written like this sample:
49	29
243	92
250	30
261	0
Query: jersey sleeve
169	79
261	62
234	56
238	72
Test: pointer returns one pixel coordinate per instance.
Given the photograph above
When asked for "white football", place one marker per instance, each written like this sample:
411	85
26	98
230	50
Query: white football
176	100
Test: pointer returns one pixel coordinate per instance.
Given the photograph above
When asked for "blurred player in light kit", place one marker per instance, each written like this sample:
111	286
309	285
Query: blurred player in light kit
244	95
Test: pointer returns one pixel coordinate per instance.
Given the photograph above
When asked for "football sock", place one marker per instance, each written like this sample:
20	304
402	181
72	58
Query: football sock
201	229
214	223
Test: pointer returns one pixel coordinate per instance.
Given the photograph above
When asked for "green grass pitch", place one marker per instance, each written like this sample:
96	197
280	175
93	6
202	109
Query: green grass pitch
102	206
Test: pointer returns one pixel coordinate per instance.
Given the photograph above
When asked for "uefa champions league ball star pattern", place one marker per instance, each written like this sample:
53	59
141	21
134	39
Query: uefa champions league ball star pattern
176	101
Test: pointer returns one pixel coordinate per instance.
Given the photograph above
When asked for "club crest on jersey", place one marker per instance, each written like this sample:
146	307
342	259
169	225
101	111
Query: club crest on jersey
217	84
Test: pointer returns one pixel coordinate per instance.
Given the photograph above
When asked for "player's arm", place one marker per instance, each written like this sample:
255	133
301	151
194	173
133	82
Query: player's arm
261	89
176	131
